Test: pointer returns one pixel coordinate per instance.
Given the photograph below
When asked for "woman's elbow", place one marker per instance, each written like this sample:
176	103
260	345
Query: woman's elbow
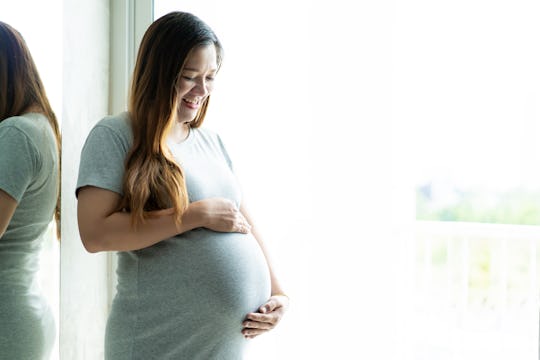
91	247
93	243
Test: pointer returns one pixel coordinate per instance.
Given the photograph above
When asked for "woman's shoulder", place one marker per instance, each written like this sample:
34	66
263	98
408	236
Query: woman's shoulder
212	142
29	137
207	135
117	123
30	124
32	128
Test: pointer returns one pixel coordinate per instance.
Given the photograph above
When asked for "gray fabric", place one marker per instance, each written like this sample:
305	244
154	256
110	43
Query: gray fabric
28	172
185	297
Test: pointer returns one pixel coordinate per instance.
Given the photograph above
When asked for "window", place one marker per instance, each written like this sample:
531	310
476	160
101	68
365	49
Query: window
468	81
468	86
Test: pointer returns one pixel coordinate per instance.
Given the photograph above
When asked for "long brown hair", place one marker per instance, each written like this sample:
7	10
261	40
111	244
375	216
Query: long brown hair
21	89
152	178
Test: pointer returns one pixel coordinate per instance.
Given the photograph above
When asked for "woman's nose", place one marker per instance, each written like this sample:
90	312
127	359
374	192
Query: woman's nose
201	88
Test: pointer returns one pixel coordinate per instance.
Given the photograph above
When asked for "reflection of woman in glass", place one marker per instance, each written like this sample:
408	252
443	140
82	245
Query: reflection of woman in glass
29	193
193	279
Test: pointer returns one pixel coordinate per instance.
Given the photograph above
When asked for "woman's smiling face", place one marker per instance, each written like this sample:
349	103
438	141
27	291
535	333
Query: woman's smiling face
196	82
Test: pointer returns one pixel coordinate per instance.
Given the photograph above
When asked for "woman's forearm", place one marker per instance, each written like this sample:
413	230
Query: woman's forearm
276	286
103	228
7	209
116	232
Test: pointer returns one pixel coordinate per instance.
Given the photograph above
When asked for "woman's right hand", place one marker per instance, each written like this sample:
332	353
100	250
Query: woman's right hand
222	215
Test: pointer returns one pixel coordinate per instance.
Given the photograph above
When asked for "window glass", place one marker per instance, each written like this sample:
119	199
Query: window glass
468	82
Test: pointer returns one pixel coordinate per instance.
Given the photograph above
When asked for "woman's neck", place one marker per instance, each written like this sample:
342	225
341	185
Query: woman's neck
33	109
179	132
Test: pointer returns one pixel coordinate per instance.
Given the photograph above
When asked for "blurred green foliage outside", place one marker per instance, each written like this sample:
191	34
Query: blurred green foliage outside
516	206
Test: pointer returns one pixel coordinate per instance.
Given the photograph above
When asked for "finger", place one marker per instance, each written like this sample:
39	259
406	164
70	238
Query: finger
256	317
245	228
251	333
242	223
270	306
242	217
263	318
257	325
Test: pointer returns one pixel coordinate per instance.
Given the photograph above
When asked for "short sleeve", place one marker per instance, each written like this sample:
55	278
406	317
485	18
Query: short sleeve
102	160
18	161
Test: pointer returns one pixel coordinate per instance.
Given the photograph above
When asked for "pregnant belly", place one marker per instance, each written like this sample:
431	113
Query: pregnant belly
202	275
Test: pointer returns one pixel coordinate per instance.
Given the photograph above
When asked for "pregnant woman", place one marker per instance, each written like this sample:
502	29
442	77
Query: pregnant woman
29	184
194	281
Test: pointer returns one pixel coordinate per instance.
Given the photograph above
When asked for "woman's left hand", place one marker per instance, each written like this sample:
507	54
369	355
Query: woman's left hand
267	317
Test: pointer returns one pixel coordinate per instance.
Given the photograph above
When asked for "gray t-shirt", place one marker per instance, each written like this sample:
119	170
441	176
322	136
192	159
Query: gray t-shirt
29	174
184	297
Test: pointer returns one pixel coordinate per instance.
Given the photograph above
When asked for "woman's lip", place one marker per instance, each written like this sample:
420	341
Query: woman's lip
190	105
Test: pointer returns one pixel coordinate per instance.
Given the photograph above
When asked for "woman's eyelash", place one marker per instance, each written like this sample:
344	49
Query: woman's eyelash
210	78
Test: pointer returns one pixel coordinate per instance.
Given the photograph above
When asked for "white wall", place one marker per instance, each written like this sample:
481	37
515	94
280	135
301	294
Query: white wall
85	101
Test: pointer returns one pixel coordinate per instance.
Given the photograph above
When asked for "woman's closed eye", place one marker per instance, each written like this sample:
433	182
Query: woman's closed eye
193	78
